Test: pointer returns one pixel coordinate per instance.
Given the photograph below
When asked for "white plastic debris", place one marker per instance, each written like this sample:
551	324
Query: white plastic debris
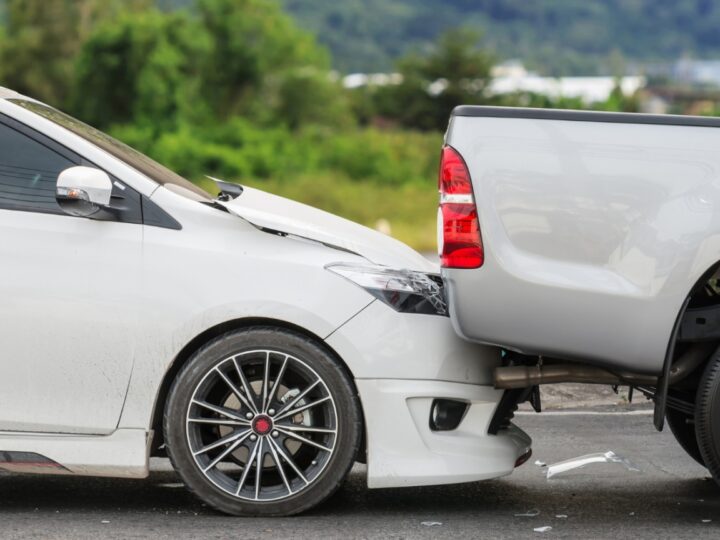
589	459
707	520
530	513
540	463
561	516
542	529
431	523
105	521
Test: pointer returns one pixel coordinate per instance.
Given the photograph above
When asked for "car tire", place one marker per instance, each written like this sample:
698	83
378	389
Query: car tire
263	421
707	416
683	428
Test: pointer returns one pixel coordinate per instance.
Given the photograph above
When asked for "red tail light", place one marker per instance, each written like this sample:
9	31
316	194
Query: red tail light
460	245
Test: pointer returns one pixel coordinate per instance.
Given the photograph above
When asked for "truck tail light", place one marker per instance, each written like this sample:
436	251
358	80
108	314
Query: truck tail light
459	241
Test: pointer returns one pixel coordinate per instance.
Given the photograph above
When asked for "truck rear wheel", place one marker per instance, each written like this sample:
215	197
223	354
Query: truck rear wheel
707	416
683	428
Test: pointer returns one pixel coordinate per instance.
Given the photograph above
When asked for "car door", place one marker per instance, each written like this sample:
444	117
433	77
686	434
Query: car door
68	288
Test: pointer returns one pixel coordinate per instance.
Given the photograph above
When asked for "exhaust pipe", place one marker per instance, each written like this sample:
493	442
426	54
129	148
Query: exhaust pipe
513	377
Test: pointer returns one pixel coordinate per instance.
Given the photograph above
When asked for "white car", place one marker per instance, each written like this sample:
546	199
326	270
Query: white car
263	345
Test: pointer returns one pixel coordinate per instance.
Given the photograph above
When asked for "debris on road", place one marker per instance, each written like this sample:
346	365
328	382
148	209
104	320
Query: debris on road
589	459
530	513
431	523
543	529
561	516
540	463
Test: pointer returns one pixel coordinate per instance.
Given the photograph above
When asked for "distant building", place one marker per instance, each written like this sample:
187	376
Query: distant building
512	77
697	72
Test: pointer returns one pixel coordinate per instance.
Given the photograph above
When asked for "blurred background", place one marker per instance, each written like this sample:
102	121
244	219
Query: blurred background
342	104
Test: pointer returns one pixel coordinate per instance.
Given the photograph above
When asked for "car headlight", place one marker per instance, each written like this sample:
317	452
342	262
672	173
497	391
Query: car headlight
406	291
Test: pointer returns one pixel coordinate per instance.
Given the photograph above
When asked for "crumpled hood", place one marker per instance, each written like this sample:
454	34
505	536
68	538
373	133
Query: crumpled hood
278	213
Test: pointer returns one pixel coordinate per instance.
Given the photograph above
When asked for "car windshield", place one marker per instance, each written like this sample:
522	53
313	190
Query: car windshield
140	162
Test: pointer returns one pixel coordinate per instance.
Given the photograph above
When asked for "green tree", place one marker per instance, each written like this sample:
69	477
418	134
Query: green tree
253	44
142	67
43	38
307	96
456	72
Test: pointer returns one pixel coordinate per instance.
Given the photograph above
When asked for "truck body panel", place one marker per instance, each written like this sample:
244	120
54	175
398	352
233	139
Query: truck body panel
595	228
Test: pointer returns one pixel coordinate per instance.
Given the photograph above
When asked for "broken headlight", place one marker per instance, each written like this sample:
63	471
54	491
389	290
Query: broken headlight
406	291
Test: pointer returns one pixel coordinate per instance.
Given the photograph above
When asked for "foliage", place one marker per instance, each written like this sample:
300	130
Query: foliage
455	72
43	38
239	150
140	66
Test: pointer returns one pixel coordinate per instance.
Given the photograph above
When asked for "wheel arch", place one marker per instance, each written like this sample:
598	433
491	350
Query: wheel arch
694	295
209	334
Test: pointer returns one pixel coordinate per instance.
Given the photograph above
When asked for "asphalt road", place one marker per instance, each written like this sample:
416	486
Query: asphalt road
669	498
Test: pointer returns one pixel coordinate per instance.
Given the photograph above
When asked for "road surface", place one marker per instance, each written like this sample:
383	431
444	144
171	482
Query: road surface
670	498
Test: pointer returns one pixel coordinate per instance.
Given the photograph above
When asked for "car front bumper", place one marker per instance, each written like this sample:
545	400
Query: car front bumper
402	363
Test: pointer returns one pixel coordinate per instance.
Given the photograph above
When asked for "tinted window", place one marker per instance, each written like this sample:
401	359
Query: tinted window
28	172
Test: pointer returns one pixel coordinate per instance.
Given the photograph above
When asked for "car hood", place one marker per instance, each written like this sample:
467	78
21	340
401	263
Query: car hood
280	214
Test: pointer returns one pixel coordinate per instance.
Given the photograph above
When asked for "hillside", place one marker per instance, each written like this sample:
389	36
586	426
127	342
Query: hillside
554	36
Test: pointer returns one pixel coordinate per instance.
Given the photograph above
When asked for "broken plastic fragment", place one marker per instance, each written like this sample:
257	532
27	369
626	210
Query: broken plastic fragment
540	463
561	516
589	459
530	513
431	523
543	529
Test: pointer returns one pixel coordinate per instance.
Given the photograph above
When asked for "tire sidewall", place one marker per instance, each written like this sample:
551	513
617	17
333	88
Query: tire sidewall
707	416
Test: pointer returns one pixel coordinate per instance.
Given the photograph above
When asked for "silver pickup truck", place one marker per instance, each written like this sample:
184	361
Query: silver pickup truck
587	245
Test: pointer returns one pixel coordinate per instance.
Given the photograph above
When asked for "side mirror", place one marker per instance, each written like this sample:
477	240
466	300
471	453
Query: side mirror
83	191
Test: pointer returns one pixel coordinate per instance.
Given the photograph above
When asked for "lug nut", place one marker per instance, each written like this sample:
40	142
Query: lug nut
275	434
253	437
248	415
271	412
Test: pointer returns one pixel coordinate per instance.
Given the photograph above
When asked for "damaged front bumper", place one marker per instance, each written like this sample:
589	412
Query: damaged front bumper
404	364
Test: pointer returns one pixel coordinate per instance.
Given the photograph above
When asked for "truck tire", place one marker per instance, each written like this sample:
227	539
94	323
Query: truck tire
685	434
707	416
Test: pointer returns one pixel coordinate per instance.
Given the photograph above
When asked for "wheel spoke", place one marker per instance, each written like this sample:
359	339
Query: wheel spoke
303	439
259	467
308	429
227	451
266	382
280	468
303	408
298	397
221	441
276	382
220	410
234	389
246	470
230	439
246	386
219	422
288	460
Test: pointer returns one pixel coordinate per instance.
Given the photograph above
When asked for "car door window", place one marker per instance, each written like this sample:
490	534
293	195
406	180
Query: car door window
28	172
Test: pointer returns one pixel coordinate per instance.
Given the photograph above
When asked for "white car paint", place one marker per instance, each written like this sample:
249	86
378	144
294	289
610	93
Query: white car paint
96	312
